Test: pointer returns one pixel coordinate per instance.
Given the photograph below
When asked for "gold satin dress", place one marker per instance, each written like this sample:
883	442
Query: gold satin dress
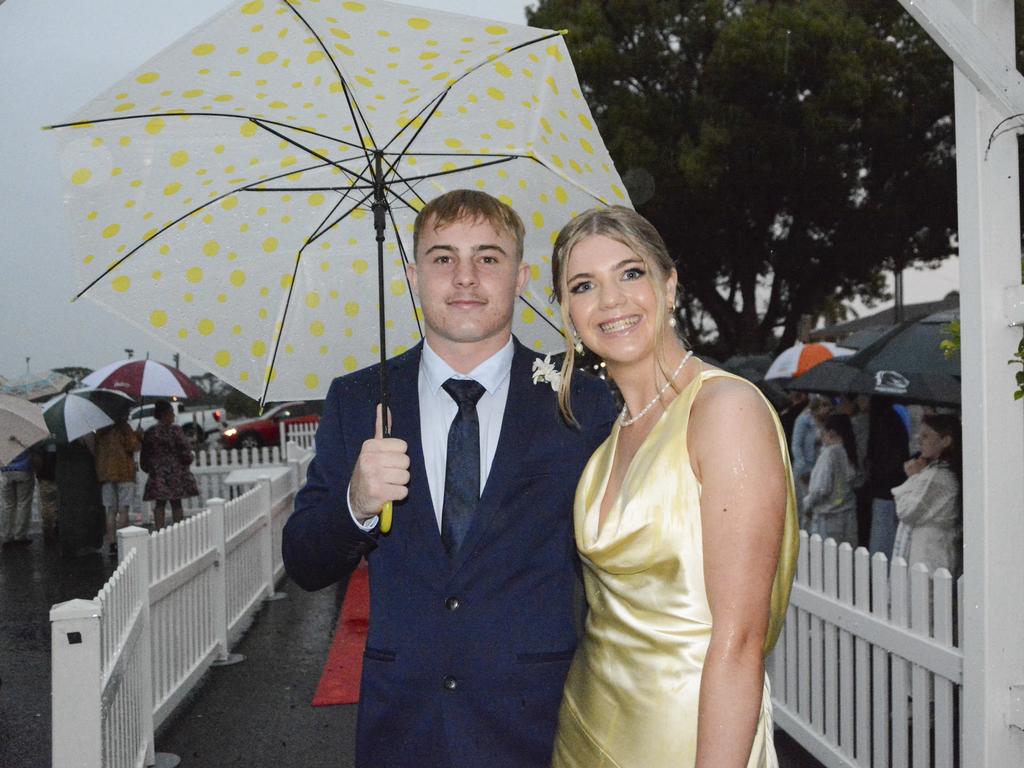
632	692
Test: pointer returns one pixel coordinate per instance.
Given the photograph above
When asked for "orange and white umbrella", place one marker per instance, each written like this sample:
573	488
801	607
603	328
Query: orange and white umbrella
800	358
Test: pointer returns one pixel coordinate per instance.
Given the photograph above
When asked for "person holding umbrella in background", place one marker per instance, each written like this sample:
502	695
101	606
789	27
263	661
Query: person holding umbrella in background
18	483
166	456
115	468
73	419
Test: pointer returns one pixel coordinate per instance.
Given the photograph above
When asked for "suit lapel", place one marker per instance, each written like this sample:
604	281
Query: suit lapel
416	514
523	409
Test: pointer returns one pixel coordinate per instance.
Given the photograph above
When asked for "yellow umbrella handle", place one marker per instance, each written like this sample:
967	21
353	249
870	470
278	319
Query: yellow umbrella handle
385	517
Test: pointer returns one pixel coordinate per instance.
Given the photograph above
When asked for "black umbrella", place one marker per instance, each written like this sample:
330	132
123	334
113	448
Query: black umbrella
906	364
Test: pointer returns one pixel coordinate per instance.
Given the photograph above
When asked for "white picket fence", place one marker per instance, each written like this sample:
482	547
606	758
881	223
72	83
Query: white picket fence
178	601
868	669
300	434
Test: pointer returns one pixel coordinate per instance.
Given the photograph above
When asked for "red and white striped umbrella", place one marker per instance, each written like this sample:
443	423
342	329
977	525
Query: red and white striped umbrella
143	378
800	358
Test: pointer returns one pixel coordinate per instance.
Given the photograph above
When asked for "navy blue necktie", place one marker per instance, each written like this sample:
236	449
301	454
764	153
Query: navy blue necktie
462	468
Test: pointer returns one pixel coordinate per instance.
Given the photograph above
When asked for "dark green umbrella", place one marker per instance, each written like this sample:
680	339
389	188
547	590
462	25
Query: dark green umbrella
82	411
906	364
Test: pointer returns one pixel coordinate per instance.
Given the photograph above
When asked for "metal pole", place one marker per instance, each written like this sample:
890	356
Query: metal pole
380	210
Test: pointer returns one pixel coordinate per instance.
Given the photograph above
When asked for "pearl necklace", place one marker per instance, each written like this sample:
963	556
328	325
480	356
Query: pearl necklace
626	421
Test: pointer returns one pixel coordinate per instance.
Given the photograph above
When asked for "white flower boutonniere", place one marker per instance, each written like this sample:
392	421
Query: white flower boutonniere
545	371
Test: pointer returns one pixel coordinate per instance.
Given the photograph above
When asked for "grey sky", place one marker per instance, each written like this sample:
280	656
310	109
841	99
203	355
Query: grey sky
55	56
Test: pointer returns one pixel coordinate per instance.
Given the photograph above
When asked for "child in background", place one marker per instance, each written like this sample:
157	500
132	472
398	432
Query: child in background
830	504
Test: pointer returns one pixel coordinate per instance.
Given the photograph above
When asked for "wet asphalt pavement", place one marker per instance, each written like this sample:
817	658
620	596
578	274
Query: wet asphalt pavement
254	714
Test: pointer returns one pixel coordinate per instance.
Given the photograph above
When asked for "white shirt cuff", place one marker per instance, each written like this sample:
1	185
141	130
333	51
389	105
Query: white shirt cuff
368	525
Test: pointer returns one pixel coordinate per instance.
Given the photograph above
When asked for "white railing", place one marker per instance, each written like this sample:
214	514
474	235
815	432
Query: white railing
301	434
868	669
183	574
178	601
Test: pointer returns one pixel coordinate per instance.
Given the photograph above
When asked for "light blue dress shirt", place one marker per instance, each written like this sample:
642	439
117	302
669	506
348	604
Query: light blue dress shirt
437	412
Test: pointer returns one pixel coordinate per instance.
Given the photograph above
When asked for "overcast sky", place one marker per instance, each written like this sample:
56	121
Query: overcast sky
55	56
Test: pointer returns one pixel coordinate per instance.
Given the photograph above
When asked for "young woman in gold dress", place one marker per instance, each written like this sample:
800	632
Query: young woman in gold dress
685	521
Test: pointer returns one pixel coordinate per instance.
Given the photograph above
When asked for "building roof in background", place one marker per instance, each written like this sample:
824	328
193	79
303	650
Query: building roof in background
871	326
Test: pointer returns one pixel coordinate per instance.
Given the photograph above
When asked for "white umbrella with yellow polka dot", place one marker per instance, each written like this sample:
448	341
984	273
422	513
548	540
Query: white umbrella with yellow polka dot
221	196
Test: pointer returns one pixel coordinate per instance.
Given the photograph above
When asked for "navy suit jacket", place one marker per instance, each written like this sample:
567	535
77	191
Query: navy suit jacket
466	657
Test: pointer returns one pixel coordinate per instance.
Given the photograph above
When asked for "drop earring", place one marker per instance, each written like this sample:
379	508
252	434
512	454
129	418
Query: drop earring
577	342
672	316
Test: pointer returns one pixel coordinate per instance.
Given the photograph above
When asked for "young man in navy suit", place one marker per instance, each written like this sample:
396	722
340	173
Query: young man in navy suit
472	624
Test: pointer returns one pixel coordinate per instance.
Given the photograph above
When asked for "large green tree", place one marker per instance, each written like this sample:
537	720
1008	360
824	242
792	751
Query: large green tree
789	152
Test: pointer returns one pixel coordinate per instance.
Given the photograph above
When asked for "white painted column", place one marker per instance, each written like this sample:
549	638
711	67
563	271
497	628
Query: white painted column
993	613
77	682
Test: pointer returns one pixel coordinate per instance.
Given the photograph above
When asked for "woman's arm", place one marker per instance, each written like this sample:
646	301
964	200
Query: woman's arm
735	453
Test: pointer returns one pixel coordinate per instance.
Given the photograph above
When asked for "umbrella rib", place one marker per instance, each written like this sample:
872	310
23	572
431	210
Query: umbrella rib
320	230
317	235
499	161
404	179
284	318
456	81
405	260
313	152
251	118
542	315
432	105
349	96
291	287
330	213
245	188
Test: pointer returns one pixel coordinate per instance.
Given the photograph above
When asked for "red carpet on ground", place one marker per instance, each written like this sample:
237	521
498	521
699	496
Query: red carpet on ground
339	683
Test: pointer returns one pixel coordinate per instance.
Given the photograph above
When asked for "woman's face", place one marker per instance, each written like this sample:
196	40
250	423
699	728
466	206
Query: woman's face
931	443
611	299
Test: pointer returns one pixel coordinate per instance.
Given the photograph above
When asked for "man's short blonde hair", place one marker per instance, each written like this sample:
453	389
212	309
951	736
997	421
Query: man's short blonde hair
473	205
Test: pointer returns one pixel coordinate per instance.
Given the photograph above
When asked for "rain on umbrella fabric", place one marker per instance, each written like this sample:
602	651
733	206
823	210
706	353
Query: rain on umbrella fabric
82	411
143	378
21	425
800	358
220	195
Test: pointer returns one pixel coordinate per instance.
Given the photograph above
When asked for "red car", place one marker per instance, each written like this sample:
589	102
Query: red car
266	430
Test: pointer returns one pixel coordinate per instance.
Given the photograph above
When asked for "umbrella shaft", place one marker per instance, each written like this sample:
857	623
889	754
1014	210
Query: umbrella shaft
380	209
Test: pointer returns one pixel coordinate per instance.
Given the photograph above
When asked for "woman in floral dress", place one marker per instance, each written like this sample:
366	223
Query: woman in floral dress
166	456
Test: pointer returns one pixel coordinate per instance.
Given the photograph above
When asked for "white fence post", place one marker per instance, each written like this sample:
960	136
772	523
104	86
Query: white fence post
220	586
266	501
281	434
77	685
136	539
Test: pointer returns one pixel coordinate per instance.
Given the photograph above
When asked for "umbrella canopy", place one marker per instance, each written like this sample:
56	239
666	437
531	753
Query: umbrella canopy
800	358
228	196
143	378
21	425
906	364
82	411
33	386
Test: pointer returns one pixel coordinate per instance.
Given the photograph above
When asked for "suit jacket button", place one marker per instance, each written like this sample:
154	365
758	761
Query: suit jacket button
450	683
452	603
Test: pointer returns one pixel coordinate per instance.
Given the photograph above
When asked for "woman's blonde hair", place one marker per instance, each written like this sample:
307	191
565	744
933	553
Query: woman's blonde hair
625	226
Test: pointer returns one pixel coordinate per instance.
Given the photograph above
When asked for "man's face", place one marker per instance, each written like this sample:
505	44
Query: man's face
467	277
